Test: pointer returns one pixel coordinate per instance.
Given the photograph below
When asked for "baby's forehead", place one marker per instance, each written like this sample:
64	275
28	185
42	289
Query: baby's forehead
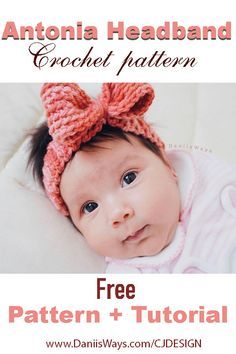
103	162
115	151
110	156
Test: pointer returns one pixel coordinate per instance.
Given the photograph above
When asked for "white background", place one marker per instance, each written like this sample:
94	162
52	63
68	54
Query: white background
73	292
215	58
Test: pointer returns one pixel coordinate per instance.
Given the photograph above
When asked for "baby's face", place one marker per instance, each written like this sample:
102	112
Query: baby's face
123	199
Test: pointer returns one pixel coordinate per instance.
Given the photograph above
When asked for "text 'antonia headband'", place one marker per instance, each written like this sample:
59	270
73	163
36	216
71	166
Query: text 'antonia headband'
74	118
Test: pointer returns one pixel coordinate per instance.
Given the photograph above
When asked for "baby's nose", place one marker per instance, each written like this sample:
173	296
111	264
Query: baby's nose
121	215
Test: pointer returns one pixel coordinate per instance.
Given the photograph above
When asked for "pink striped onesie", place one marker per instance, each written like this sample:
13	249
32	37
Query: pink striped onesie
205	239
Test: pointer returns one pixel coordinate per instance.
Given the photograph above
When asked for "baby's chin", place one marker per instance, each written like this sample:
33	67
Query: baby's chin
151	250
148	252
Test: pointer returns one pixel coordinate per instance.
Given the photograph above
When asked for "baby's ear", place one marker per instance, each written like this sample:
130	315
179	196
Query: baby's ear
168	164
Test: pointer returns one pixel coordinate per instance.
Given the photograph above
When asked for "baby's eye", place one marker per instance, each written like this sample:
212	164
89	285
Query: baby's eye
89	207
128	178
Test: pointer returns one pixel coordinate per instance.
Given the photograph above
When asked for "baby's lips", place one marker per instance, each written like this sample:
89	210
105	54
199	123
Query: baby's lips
228	199
127	237
130	237
135	235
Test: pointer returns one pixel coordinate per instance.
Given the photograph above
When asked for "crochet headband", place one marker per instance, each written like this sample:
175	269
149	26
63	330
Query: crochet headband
74	118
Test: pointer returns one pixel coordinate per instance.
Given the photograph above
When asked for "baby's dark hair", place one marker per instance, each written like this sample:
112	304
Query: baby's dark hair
40	138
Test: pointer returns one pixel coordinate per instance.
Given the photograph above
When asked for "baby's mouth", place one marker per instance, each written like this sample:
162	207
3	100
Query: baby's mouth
136	236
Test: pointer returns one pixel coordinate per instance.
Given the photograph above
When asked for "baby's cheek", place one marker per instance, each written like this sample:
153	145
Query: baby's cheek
155	200
93	241
86	231
157	212
163	205
95	235
102	245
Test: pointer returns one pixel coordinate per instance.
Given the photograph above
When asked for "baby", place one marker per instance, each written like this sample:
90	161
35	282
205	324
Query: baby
144	208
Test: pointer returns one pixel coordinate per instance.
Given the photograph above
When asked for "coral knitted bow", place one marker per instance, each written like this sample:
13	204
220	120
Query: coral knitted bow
74	118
